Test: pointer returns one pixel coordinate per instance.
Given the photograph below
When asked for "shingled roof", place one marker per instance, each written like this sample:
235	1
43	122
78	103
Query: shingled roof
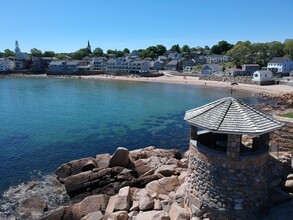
231	116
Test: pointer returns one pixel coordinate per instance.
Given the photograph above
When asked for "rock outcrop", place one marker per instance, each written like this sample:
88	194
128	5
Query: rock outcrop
125	185
149	185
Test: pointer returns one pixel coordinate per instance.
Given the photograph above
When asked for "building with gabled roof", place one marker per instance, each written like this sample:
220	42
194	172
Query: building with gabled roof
281	65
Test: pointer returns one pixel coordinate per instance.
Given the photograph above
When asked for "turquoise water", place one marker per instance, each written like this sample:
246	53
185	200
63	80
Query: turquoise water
49	121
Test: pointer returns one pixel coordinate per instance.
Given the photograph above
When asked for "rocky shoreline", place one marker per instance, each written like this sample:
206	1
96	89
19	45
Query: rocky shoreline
141	184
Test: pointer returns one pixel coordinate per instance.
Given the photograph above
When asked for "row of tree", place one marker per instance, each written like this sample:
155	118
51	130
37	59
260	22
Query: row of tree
240	53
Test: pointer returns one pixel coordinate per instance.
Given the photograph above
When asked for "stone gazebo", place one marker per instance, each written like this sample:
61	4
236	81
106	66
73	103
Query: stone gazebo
227	175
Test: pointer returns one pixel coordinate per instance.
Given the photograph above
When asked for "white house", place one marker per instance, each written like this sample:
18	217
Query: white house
7	64
282	64
263	77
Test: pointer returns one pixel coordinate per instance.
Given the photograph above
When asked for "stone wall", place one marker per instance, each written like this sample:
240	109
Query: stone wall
282	139
217	186
237	79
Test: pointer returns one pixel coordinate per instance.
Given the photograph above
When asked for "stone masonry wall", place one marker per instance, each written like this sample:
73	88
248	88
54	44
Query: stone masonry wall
283	138
237	79
226	188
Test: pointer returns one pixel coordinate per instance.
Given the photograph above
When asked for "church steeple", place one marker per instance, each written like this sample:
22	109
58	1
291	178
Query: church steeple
89	46
17	49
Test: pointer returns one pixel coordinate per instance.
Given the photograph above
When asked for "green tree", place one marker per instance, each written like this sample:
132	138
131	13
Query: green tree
160	50
36	53
126	50
276	49
8	53
241	53
207	47
119	53
175	48
49	54
185	49
61	56
221	48
80	54
98	52
110	51
288	48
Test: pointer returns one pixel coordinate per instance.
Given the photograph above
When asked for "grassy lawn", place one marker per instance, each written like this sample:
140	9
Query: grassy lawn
288	115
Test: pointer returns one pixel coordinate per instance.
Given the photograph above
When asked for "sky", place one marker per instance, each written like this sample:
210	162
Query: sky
67	25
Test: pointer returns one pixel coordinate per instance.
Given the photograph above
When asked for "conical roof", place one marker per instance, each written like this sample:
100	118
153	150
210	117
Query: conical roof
231	116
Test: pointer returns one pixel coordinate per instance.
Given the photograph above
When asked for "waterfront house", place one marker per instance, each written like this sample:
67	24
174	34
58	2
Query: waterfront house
172	65
188	68
139	67
7	64
99	63
236	72
217	58
282	65
250	68
263	77
186	62
174	56
63	66
157	65
211	69
164	59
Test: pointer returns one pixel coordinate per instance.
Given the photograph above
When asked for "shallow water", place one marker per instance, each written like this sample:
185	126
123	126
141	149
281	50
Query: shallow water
49	121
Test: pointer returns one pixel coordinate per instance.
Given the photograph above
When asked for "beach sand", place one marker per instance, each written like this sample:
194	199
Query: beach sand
192	80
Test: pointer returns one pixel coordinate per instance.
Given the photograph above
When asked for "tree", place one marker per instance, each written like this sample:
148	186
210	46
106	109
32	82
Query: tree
160	50
8	53
36	53
126	50
241	53
109	51
185	49
80	54
276	49
49	54
61	56
119	53
98	52
288	48
216	49
175	48
221	48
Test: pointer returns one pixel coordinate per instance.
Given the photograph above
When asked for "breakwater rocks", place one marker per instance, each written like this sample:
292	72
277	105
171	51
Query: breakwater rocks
285	99
144	184
141	184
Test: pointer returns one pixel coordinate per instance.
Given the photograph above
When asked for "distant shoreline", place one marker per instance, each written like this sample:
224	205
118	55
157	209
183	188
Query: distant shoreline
189	80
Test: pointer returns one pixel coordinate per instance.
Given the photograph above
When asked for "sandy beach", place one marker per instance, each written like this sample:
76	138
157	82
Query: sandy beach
191	80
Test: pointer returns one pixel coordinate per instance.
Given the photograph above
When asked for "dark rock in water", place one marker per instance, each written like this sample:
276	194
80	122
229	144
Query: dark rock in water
75	167
32	206
120	158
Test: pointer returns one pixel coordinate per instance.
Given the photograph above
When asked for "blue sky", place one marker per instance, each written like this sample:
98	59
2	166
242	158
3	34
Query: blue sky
67	25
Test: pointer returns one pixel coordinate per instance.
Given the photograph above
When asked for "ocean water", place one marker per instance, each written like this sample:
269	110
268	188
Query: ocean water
45	122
